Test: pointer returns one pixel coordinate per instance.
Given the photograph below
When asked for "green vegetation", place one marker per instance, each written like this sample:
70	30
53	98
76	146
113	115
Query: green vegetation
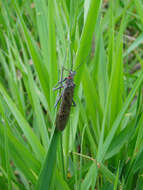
102	145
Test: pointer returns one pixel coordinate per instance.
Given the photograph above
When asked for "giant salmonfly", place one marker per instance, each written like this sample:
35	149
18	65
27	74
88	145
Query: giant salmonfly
66	102
66	98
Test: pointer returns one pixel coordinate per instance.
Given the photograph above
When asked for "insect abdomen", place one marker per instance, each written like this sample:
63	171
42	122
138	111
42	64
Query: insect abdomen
64	110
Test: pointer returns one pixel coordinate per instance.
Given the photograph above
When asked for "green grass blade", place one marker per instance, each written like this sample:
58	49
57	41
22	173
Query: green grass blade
49	166
23	159
41	125
121	113
32	139
35	54
134	45
139	7
86	36
119	141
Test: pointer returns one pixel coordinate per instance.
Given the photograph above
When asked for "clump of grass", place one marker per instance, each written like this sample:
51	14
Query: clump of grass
101	146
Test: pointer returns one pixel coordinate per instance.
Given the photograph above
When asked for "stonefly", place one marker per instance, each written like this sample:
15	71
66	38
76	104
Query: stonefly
66	101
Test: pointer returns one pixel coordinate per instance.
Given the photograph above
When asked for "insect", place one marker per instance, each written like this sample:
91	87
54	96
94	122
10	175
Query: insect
67	101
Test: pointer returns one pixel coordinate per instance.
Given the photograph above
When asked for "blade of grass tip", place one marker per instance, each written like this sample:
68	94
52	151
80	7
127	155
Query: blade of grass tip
86	37
49	165
32	139
86	7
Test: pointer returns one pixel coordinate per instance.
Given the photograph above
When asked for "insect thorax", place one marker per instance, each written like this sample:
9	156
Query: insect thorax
70	83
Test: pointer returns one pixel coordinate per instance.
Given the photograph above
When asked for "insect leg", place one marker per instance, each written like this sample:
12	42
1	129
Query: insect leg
73	103
57	101
61	81
58	88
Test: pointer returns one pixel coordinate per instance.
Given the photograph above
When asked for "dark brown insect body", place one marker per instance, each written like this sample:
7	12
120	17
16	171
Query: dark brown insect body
66	102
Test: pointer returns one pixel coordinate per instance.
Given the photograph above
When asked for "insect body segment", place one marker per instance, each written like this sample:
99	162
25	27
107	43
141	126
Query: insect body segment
66	102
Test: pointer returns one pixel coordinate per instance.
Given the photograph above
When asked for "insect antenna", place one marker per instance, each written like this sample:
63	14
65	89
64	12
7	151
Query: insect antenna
85	61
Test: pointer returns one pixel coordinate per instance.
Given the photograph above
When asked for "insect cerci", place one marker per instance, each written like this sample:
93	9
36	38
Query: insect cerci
66	101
